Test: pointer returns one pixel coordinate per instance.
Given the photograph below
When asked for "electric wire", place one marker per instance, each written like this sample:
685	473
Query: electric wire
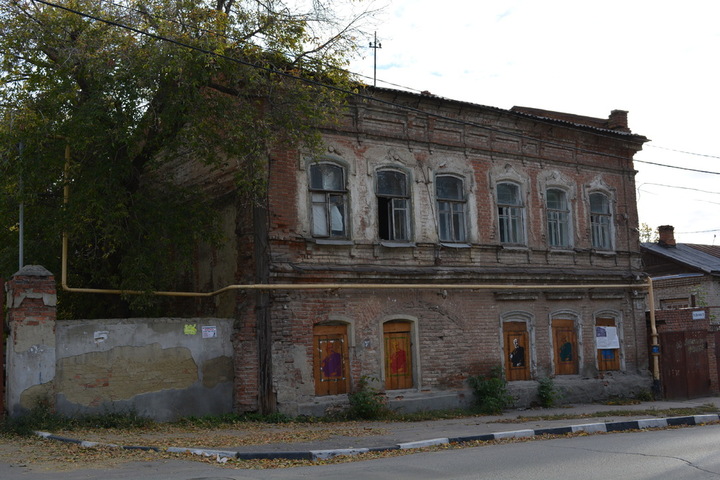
362	96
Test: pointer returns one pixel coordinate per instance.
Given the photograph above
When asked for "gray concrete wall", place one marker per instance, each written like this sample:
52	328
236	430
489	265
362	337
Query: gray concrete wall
161	368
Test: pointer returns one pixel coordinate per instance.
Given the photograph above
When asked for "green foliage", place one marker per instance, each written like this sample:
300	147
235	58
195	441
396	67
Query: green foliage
648	234
490	391
548	394
366	403
212	82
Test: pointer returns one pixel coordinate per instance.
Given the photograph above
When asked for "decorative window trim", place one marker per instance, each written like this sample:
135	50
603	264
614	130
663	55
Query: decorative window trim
329	207
415	336
452	213
511	216
602	230
399	215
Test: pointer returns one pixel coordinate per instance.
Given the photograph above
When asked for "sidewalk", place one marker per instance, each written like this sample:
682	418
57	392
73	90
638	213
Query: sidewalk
381	436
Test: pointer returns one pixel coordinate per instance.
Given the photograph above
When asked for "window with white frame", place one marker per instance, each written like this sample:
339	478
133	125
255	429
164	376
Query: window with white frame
451	205
329	201
393	205
510	213
558	218
600	221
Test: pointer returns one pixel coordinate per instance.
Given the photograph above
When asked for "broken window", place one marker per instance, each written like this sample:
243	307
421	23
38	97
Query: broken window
600	221
451	209
510	213
393	206
558	218
329	201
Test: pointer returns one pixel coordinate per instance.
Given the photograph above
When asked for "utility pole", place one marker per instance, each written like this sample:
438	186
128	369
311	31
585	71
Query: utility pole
375	45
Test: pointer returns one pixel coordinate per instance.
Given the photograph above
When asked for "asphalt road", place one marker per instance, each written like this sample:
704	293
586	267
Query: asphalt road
685	453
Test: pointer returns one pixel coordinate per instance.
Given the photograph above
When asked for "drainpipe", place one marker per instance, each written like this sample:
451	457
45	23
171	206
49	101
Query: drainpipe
655	346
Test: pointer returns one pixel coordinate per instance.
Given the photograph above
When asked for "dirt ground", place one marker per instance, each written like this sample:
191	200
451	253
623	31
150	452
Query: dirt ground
42	454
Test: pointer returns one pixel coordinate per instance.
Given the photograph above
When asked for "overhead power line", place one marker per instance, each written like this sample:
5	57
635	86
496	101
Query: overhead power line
683	151
349	92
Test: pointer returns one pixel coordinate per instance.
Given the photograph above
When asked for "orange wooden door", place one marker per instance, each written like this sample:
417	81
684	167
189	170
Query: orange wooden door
517	351
566	348
398	355
608	358
330	360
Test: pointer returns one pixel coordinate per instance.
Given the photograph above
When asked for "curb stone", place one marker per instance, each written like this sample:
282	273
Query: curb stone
223	455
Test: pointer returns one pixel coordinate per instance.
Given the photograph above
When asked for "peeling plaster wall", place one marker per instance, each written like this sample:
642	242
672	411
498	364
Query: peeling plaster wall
161	368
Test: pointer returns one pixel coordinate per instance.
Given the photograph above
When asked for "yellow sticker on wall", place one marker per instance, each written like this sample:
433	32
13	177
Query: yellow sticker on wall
190	329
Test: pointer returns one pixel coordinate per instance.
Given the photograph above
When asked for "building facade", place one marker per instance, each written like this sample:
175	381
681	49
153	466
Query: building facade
432	240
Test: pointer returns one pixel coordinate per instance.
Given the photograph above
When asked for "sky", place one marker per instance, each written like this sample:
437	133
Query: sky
659	60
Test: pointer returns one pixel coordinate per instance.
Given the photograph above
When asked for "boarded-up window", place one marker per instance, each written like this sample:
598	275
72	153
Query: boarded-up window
398	355
566	347
330	362
517	358
608	344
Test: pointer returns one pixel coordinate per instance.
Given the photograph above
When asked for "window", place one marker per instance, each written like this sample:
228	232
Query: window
600	221
330	359
517	361
510	213
451	209
558	218
393	206
329	201
608	344
398	355
566	347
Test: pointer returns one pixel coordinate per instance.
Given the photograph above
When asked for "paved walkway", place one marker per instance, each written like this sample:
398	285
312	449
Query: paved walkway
405	435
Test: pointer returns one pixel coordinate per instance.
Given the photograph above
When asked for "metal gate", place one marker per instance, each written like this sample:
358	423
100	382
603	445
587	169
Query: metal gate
684	364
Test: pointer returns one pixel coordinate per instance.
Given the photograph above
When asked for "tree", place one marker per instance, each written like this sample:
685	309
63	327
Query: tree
647	233
130	85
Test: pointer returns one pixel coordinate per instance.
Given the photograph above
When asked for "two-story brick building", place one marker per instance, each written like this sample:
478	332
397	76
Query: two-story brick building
532	212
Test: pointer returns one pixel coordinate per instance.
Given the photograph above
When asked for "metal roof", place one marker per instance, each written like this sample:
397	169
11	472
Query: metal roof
687	254
516	112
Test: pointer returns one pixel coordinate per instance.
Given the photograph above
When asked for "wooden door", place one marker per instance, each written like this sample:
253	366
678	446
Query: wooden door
566	347
517	351
330	362
607	358
398	355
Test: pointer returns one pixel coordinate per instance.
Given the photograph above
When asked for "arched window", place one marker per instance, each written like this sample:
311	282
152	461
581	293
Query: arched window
330	359
565	343
510	213
397	340
451	205
600	221
607	343
393	199
517	350
329	201
558	218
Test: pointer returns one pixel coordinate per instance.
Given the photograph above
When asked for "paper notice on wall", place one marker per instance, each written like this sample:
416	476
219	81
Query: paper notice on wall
606	337
190	329
209	332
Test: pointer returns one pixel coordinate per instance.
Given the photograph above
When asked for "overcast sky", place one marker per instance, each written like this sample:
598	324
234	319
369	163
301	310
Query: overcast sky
659	60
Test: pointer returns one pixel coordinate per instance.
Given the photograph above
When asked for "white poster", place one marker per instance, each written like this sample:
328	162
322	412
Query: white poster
606	338
209	332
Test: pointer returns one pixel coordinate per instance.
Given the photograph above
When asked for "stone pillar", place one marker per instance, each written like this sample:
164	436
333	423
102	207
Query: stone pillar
31	304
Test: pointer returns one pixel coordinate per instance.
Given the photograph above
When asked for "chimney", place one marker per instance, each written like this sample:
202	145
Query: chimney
618	121
667	236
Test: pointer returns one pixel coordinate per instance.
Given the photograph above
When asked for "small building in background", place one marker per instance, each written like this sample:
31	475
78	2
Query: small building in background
686	284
